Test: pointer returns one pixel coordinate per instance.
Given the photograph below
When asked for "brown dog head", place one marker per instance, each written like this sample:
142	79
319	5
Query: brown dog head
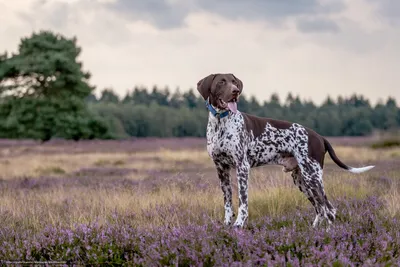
221	90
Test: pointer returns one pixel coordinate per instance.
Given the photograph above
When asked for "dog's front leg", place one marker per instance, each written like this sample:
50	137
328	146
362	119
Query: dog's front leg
225	181
242	173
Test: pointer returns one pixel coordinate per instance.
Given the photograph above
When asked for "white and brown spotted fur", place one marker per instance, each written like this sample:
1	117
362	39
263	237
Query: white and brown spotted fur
241	141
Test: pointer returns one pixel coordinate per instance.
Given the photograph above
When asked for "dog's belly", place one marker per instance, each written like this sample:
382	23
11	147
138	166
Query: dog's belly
265	159
267	155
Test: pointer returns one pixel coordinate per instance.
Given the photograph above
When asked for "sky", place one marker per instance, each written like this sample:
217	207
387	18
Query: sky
312	48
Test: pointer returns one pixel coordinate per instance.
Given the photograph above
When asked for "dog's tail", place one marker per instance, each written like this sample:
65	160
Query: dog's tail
332	153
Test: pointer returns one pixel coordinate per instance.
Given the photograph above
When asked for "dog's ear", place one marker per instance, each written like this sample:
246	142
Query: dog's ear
204	85
239	82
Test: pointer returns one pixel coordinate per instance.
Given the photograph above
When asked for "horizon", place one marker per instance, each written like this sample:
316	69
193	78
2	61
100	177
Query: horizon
346	47
282	99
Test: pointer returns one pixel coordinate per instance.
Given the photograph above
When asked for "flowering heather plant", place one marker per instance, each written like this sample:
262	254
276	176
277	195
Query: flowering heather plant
129	202
362	235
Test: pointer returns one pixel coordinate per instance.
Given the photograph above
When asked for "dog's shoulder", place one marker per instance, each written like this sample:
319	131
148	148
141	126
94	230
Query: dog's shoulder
258	124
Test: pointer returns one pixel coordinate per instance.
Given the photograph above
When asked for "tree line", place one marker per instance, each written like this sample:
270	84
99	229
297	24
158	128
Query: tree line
45	93
160	112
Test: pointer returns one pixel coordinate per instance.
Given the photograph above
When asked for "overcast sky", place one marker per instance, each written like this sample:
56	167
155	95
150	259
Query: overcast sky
309	47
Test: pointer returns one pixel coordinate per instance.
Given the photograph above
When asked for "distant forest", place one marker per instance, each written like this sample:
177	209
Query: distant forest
45	94
162	113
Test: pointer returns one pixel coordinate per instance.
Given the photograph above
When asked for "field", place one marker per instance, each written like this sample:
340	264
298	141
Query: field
157	202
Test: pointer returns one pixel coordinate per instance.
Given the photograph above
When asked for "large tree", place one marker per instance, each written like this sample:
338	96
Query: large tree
42	90
46	65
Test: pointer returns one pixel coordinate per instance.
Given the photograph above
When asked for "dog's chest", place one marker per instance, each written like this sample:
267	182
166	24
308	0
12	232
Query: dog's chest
224	139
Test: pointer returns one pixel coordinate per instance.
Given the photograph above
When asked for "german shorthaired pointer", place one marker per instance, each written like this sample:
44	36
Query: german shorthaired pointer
242	141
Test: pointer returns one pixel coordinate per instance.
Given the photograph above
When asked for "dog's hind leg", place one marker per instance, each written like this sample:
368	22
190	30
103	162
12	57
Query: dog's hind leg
301	184
309	172
309	180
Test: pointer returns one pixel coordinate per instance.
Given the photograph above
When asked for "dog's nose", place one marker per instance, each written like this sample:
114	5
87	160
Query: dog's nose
235	91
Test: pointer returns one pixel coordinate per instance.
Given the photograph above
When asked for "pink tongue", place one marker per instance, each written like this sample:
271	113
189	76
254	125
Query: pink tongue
232	106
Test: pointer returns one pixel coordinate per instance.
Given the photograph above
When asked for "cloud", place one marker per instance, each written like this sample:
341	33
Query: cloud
161	13
317	25
389	10
172	13
56	13
90	20
273	46
268	9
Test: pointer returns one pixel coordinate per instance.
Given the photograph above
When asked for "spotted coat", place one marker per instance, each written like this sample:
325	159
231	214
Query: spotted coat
231	145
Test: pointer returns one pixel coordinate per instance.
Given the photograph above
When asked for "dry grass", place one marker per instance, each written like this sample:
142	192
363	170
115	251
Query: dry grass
193	155
34	166
364	155
58	164
70	206
272	192
392	198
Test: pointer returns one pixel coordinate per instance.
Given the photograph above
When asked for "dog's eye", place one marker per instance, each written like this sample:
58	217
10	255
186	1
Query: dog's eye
221	82
234	82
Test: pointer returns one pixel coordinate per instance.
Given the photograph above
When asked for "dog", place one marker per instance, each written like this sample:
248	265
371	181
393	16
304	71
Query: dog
243	141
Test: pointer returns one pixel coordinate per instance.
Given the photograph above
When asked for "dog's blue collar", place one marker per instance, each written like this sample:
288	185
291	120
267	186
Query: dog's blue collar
216	113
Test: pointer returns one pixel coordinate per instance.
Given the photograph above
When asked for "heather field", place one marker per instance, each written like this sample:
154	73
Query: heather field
157	202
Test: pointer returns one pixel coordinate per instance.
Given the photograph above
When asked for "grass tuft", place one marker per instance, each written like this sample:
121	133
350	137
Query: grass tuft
50	170
387	143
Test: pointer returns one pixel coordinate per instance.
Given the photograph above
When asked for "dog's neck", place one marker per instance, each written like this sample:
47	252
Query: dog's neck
221	122
216	112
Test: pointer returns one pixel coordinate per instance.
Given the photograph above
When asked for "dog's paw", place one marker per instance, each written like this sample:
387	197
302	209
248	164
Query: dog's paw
238	224
227	223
